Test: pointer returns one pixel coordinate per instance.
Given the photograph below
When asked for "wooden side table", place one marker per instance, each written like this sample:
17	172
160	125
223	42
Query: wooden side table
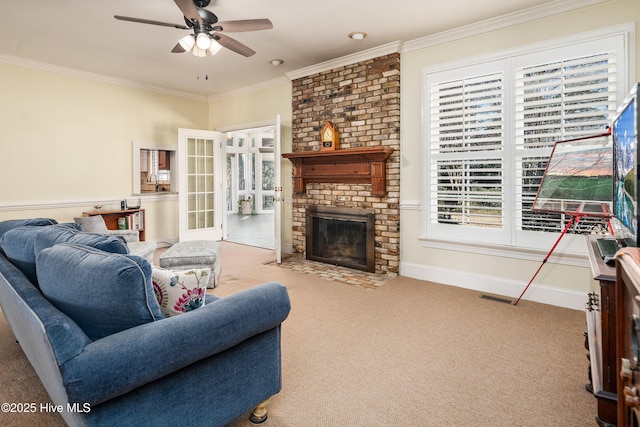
135	216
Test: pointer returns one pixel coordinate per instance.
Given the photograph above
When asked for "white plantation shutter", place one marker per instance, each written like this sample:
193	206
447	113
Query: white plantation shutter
490	130
555	101
466	150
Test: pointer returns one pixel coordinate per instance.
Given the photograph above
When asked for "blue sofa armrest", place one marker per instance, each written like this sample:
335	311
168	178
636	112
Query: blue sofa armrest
124	361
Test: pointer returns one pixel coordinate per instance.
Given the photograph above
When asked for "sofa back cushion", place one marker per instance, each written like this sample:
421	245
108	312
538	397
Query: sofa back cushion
104	293
23	244
13	223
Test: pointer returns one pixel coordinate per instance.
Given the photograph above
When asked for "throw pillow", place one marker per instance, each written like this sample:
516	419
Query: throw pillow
104	293
92	224
180	291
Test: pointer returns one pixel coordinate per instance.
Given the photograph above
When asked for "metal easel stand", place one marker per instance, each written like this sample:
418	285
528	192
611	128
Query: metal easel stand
575	219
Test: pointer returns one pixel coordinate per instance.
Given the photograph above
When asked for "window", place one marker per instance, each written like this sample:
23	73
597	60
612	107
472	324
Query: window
155	171
490	128
154	168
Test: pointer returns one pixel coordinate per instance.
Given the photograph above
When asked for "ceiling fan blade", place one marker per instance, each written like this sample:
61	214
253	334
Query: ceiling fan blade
243	25
233	44
178	49
149	21
189	10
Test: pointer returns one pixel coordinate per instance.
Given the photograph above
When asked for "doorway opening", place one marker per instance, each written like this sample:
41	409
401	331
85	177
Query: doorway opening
250	186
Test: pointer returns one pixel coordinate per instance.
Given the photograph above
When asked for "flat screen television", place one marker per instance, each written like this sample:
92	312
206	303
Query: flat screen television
625	165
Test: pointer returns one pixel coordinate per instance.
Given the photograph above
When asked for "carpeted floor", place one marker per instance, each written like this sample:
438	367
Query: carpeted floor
404	353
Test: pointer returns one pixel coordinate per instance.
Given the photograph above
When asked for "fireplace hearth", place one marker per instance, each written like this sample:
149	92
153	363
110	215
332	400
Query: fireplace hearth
341	236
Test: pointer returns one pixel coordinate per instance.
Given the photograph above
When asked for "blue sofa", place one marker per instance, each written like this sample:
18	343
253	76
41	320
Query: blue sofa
84	313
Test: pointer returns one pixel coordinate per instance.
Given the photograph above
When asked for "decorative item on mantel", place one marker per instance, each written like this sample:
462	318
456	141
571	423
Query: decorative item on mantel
329	137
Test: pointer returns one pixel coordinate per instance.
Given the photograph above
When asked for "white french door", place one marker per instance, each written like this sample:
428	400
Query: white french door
277	198
201	197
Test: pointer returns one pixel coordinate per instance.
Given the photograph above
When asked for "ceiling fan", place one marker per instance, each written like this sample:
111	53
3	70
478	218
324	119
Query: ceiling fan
208	33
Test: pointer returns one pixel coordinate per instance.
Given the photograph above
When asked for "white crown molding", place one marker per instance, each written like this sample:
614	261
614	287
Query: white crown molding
533	13
249	89
14	60
385	49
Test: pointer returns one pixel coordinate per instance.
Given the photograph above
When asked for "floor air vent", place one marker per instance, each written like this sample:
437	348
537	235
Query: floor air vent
493	298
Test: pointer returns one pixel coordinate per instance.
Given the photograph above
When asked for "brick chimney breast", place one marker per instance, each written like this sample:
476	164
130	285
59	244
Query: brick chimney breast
363	101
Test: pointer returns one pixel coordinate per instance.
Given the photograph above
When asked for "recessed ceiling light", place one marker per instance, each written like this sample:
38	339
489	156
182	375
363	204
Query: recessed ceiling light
357	35
276	62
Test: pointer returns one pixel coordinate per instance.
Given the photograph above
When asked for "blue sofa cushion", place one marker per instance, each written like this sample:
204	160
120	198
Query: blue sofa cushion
13	223
104	293
23	244
178	292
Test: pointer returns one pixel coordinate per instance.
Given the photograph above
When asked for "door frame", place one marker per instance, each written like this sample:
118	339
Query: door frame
277	209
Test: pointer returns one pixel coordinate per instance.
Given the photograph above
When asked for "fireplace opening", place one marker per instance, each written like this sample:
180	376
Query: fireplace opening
341	236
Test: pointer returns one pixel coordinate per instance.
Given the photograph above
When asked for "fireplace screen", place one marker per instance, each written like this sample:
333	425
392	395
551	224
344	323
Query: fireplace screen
341	236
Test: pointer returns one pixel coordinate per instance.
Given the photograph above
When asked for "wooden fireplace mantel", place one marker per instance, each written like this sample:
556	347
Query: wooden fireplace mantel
350	165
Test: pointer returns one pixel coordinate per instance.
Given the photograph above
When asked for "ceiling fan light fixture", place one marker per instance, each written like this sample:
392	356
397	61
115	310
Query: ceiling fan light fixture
215	47
200	53
203	41
187	42
357	35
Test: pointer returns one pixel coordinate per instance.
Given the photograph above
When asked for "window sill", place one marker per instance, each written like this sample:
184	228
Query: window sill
578	259
161	195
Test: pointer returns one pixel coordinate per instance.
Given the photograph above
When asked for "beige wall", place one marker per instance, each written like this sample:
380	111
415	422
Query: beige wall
258	106
67	144
469	269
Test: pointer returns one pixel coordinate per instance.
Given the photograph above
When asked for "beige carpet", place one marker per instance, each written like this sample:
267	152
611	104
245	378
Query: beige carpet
409	353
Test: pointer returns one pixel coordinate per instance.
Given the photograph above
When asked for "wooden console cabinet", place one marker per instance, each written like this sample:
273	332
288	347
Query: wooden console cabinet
604	302
628	336
136	218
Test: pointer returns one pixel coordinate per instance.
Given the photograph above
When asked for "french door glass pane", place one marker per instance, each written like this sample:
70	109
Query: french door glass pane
229	182
267	175
267	203
200	188
241	165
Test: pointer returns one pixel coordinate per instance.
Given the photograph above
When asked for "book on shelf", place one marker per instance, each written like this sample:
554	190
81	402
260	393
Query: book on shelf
132	221
122	223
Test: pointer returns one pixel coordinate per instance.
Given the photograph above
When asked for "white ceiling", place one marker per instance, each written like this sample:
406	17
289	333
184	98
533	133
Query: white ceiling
83	35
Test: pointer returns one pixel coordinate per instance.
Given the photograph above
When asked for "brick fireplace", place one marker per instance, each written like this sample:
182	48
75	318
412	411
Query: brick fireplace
363	101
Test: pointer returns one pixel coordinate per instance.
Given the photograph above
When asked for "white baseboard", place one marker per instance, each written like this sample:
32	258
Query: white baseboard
498	286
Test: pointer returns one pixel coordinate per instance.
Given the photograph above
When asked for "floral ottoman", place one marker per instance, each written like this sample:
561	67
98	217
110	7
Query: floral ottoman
194	254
